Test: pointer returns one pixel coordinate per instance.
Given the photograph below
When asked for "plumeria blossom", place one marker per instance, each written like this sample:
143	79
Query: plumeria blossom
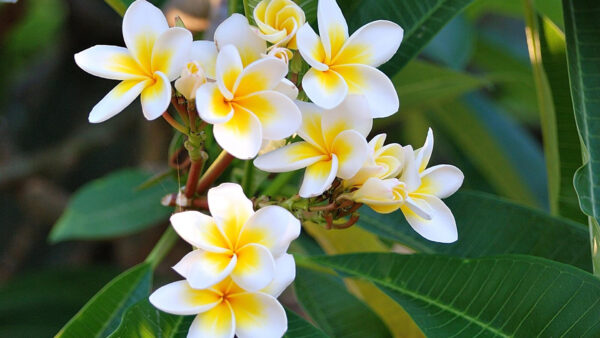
244	106
154	57
334	145
382	195
425	187
235	241
343	65
225	309
278	21
383	161
192	77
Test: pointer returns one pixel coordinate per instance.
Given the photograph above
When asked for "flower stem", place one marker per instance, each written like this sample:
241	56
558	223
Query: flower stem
164	245
174	123
192	180
214	171
248	177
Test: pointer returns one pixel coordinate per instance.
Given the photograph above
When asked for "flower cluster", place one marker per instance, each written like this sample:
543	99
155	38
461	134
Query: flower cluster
241	84
237	270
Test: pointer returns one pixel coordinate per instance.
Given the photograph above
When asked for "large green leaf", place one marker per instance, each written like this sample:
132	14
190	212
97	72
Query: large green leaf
502	296
335	310
300	328
420	19
113	206
561	142
144	320
480	128
488	225
582	29
38	303
423	84
102	314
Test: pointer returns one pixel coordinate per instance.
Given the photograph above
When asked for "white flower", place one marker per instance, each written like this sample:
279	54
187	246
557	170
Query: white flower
244	106
192	77
225	309
278	21
382	162
283	54
154	57
334	145
382	195
235	241
343	65
423	208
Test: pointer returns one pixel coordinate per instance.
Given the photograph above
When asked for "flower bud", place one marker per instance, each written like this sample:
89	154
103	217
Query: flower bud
192	77
278	21
282	54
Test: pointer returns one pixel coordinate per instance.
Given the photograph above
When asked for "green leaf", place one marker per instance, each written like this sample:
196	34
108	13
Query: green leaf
561	142
582	29
454	44
120	6
144	320
300	328
515	167
423	84
113	206
47	298
502	296
102	314
335	310
421	20
488	225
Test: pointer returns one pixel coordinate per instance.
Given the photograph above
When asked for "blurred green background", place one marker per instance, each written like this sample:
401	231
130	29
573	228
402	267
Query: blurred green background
473	84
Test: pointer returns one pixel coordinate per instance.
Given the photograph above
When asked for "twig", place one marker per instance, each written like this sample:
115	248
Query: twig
214	171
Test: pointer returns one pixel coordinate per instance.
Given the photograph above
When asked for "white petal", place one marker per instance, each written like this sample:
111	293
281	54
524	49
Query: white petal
374	85
116	100
205	53
219	322
110	62
264	74
441	180
423	154
202	269
235	30
373	44
410	172
440	228
230	208
180	299
311	48
258	315
383	196
285	273
228	68
351	114
332	27
287	88
171	52
318	177
279	116
143	23
211	105
157	97
241	136
288	158
351	150
311	130
326	89
272	227
255	267
199	230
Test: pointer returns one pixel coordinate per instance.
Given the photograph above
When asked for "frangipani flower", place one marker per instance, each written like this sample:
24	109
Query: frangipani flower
225	309
235	241
382	195
343	65
243	105
423	208
154	57
236	30
382	162
334	145
278	21
192	77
